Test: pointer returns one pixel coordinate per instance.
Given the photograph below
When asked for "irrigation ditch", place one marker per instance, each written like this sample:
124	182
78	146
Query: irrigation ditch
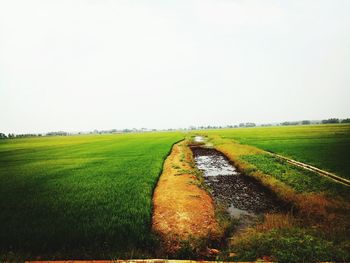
244	198
196	181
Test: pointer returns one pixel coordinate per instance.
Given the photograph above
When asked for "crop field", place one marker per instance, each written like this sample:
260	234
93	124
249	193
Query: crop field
324	146
90	196
318	229
79	196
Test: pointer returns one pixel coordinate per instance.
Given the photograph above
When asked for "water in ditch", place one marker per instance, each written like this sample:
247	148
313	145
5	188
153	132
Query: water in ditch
243	196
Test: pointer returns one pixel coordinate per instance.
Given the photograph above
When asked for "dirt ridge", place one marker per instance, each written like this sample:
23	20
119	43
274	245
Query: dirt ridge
183	212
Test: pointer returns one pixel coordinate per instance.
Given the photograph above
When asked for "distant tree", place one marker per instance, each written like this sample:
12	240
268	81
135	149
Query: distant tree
345	120
3	136
250	124
287	123
305	122
58	133
26	135
331	120
241	125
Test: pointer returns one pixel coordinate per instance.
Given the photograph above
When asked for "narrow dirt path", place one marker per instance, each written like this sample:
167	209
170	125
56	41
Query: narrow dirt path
184	213
313	169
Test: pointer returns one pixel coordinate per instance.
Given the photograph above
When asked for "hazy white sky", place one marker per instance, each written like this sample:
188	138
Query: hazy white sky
101	64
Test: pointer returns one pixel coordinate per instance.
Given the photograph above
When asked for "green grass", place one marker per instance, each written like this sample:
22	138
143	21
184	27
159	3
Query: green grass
289	245
321	229
324	146
299	179
79	196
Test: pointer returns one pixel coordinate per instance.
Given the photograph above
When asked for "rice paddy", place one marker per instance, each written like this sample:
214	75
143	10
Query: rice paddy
80	196
324	146
90	196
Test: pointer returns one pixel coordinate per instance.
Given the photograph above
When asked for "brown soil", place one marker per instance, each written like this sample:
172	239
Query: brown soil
184	213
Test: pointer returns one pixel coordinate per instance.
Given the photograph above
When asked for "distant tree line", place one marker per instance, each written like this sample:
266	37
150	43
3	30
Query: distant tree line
27	135
57	133
247	124
287	123
103	131
241	125
208	127
332	120
12	135
335	120
307	122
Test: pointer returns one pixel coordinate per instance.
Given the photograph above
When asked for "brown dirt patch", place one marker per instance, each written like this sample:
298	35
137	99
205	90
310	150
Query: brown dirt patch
183	211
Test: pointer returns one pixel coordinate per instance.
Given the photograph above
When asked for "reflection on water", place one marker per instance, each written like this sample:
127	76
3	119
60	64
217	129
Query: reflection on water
198	139
214	165
243	196
235	212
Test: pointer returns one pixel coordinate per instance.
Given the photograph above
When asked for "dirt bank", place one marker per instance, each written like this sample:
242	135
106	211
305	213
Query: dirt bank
184	213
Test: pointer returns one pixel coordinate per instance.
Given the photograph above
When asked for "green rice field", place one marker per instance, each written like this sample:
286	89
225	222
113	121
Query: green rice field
324	146
321	231
90	196
79	196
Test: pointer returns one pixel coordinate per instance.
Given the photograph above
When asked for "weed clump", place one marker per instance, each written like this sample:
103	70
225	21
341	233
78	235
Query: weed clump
287	245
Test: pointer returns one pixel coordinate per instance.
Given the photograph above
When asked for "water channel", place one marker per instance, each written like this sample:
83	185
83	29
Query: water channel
243	196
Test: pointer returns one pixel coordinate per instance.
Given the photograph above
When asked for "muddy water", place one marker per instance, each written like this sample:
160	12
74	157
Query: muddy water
198	139
242	195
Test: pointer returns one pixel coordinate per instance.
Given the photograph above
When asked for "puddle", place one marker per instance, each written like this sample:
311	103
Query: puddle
199	139
242	195
235	212
214	165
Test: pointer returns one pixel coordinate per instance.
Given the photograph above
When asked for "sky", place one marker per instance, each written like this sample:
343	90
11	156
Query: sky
103	64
